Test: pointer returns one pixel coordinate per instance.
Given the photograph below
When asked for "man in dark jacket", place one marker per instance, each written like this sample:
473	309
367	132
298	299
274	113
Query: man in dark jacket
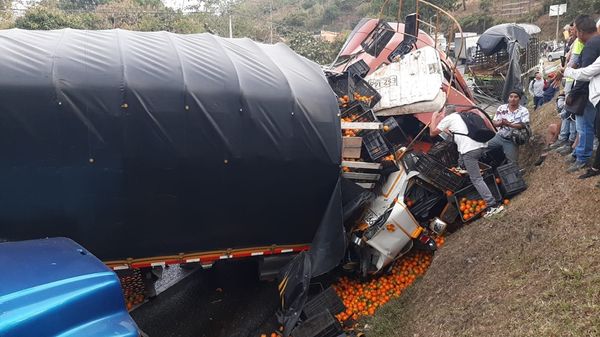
587	33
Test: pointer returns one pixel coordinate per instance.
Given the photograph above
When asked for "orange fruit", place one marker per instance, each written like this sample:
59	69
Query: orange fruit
449	193
506	201
498	181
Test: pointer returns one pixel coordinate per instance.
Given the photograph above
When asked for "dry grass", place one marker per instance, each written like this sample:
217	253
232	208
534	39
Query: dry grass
532	271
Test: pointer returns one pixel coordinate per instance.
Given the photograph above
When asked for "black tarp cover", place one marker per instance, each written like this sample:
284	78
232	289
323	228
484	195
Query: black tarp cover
147	144
511	37
497	37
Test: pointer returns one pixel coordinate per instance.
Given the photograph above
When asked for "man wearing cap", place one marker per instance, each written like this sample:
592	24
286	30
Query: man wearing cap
509	117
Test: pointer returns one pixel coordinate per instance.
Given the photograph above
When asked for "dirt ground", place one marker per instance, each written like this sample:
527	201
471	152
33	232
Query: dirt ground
533	270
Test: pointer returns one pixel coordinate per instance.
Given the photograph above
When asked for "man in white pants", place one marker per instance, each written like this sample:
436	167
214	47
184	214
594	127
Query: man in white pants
470	151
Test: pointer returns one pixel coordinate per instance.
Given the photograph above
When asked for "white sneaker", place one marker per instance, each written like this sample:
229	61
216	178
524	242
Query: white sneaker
493	211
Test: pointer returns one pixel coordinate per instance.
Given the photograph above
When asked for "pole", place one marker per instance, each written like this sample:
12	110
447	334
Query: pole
230	28
557	23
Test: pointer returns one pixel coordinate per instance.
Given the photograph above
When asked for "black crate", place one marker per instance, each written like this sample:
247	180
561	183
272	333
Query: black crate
321	325
360	113
485	169
346	84
375	145
394	133
471	193
363	88
511	179
326	300
494	157
359	68
438	173
376	42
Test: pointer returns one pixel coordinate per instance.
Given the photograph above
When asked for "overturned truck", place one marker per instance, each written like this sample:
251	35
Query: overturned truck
157	148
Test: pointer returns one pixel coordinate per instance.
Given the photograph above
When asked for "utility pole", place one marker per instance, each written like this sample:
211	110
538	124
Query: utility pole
230	28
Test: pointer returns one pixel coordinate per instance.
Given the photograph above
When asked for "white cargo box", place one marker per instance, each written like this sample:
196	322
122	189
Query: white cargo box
412	85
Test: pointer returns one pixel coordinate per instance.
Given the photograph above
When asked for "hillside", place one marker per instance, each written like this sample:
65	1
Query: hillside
531	271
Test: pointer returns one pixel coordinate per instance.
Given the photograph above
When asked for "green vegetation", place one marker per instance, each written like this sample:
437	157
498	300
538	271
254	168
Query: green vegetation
294	22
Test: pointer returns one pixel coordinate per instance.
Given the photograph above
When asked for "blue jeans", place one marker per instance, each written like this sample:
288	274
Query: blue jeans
538	101
568	130
585	128
471	162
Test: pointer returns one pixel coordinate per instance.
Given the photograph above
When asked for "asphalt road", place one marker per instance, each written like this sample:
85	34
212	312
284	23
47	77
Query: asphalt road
227	300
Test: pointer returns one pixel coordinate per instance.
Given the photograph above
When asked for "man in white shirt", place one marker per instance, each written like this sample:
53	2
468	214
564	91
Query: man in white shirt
590	73
509	117
470	151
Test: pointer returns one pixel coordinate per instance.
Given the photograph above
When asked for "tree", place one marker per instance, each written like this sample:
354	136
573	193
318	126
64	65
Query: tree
322	52
5	13
45	18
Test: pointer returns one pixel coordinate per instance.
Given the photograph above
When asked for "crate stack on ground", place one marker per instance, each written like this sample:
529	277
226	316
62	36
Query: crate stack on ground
365	149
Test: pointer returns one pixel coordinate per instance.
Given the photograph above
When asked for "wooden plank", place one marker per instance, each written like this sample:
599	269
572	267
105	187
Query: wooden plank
361	176
362	165
351	147
366	185
362	126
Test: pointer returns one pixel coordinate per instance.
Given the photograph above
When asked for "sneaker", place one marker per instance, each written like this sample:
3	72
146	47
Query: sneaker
576	166
564	150
589	173
493	211
557	144
571	159
540	160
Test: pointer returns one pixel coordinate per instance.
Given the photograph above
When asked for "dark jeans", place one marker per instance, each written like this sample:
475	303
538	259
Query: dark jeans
538	101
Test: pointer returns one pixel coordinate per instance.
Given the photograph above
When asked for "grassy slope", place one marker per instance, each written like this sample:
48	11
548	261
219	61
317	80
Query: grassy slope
532	271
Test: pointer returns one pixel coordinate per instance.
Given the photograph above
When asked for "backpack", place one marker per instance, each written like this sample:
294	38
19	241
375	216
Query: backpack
478	131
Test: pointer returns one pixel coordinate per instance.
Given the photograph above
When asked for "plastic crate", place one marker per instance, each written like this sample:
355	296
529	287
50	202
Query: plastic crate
326	300
494	157
359	68
378	39
439	174
375	145
360	112
346	84
511	179
321	325
471	193
394	134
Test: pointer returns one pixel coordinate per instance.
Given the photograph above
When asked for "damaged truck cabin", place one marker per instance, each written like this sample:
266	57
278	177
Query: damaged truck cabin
389	79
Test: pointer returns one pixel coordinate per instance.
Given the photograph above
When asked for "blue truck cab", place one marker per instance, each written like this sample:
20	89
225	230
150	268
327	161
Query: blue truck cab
55	287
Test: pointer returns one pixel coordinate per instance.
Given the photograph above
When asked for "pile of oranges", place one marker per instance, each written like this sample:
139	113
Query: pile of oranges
344	101
363	298
469	208
351	132
363	99
133	288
